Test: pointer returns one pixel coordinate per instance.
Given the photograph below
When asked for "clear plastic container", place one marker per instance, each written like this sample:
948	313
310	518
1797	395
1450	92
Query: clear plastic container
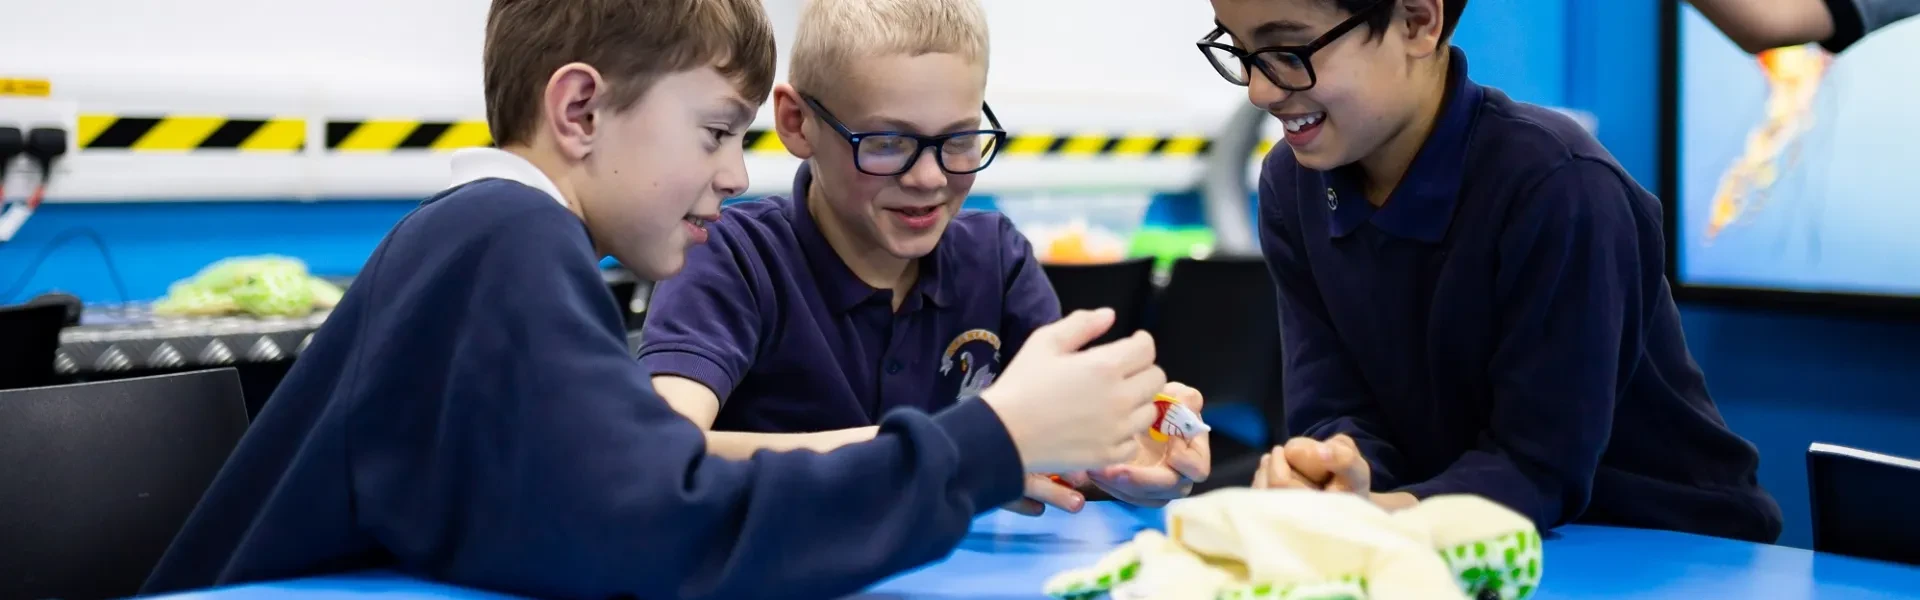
1068	227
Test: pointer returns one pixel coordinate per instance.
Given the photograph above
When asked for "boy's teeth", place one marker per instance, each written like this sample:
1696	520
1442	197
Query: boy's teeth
1295	125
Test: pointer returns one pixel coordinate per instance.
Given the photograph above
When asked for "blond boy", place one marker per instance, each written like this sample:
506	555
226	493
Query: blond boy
812	315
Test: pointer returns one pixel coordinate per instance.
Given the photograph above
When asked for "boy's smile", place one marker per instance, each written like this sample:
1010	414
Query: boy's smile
920	218
892	159
660	170
1347	80
1301	128
697	228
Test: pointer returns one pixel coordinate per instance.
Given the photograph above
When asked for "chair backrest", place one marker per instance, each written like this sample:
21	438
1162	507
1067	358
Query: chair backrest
1125	286
1862	503
29	338
97	478
1218	330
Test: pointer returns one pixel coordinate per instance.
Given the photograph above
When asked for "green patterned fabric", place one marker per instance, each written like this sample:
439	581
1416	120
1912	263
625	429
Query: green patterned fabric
1093	583
1308	545
325	294
1351	587
275	293
260	286
1510	565
185	299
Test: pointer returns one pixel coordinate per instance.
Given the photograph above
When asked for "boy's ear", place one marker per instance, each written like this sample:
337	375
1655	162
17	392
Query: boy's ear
1424	20
573	95
790	119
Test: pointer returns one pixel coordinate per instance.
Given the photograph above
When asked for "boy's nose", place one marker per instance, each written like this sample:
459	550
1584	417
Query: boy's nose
731	179
926	173
1264	94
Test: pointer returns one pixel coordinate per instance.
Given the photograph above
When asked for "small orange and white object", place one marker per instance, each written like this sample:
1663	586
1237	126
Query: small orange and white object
1176	420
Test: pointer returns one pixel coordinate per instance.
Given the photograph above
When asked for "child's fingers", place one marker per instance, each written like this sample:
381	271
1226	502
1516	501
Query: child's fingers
1311	459
1260	473
1191	458
1026	506
1348	467
1342	439
1186	394
1281	475
1045	490
1076	479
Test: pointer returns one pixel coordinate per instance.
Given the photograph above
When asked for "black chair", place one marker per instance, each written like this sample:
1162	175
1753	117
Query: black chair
29	337
97	478
1125	286
1218	330
1859	500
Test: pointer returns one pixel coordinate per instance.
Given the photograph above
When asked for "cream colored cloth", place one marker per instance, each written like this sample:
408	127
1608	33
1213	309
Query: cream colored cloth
1308	545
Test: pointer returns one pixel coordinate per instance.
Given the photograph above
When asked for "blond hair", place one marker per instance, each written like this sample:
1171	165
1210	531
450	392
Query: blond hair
835	33
633	43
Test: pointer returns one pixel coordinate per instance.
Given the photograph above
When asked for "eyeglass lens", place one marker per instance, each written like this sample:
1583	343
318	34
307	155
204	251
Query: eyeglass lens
886	154
1287	69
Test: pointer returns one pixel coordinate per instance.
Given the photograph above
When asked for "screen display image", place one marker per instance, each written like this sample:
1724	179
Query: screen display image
1799	169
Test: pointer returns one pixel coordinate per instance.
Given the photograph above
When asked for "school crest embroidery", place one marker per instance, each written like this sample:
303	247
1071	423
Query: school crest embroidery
976	354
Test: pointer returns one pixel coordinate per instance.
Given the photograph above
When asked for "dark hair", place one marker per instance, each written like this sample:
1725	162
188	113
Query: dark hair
1377	26
631	42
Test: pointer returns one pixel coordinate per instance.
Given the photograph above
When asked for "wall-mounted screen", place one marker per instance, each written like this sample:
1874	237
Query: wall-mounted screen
1798	170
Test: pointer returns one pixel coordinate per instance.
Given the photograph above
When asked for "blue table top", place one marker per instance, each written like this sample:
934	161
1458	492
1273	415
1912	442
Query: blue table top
1008	557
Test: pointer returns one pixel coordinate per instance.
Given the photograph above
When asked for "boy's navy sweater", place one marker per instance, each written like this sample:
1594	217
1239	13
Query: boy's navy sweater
471	414
1502	326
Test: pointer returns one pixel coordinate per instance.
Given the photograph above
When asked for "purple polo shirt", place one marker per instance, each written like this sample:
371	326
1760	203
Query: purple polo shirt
768	317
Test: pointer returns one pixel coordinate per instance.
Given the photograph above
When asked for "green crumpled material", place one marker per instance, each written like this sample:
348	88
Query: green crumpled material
258	286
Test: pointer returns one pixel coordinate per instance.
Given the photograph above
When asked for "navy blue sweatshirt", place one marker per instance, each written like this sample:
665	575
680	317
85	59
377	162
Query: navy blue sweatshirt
471	414
1502	326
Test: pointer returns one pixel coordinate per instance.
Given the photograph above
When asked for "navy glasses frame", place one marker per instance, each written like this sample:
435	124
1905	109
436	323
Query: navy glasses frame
924	141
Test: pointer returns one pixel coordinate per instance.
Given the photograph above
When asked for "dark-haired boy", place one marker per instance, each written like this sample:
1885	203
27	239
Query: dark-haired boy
1472	290
470	412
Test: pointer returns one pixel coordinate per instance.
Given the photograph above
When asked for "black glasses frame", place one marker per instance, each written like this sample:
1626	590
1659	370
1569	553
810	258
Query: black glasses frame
924	141
1251	61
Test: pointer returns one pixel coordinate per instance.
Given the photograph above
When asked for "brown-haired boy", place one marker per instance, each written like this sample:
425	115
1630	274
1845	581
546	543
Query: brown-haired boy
470	412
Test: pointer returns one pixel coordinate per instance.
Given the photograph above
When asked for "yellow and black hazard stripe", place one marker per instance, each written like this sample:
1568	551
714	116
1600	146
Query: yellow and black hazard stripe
1104	145
763	141
392	135
191	133
194	133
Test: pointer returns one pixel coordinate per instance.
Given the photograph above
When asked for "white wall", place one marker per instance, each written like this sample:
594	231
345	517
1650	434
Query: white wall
1058	65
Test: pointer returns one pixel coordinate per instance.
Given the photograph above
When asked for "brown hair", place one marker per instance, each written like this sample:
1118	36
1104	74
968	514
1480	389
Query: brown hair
631	42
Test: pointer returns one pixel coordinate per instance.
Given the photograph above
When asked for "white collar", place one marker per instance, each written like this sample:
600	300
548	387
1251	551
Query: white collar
474	164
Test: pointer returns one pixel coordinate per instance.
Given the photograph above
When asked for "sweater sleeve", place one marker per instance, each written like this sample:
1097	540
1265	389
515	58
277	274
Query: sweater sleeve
552	469
1323	392
1571	291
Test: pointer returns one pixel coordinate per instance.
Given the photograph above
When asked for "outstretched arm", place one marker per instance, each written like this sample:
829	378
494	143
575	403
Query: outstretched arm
1761	25
693	400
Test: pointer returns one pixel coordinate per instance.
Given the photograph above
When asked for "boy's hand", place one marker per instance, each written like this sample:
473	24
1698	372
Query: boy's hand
1069	409
1334	465
1161	471
1275	473
1043	491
